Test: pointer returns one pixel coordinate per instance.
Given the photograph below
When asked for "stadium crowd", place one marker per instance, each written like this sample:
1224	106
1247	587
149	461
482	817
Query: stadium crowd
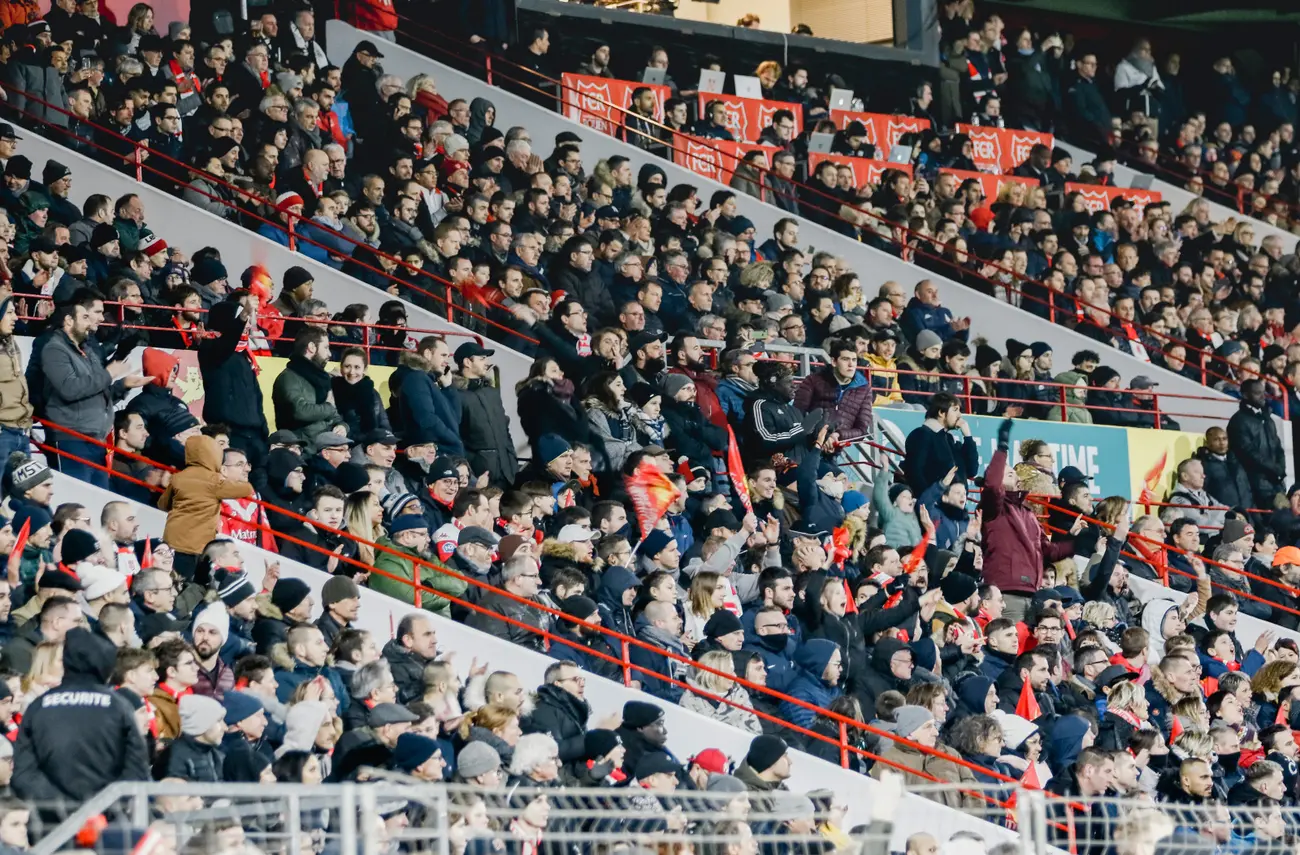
998	649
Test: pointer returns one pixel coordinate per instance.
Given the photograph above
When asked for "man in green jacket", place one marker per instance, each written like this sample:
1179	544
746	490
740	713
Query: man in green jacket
410	536
302	395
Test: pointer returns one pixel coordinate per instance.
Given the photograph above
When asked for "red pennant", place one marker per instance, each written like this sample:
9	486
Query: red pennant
917	557
1209	686
651	493
16	554
1027	707
840	542
1175	731
850	607
1030	778
146	561
736	469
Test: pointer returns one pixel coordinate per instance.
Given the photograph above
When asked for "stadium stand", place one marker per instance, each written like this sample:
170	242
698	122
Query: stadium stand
741	536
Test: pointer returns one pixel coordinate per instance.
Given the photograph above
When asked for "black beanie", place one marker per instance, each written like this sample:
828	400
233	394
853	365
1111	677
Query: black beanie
296	276
351	477
957	587
288	593
637	714
720	623
764	751
78	545
598	743
578	607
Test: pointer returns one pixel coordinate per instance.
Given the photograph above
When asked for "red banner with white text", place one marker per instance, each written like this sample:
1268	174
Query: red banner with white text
1000	150
1098	198
865	170
883	130
714	159
598	102
746	117
991	184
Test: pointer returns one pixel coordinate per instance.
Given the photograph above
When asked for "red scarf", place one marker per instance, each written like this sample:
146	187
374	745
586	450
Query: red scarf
182	76
173	694
243	347
1127	716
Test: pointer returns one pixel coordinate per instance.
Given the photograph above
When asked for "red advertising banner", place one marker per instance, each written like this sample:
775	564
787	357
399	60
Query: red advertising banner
991	184
883	130
865	170
598	102
1000	150
714	159
1098	198
746	117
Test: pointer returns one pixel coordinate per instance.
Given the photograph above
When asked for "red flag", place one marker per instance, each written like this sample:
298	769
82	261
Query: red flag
16	554
1027	707
840	544
850	606
1175	730
146	560
651	494
1030	778
736	469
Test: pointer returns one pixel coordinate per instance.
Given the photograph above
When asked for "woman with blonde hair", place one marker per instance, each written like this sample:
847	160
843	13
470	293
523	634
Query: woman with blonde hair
45	673
363	514
139	22
1126	714
734	697
495	724
707	594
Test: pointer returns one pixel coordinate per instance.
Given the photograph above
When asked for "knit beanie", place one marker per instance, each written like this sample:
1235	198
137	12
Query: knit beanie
214	614
295	277
199	713
597	743
240	706
233	586
551	446
477	758
720	623
655	542
957	587
28	475
638	714
78	545
288	593
764	751
674	383
578	607
724	784
412	751
910	718
338	589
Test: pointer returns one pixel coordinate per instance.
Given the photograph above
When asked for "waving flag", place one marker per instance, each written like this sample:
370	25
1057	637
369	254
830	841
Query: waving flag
651	494
1027	706
736	469
16	554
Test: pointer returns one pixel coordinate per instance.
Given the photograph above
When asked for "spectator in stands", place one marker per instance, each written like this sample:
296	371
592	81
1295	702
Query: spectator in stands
302	394
1225	477
521	581
484	427
1254	442
1189	498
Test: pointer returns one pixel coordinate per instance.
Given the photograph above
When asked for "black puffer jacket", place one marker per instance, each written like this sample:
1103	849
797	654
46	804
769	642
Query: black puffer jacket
564	717
408	671
691	434
80	737
191	760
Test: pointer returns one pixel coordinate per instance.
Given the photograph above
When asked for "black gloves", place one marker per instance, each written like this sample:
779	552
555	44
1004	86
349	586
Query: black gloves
1004	435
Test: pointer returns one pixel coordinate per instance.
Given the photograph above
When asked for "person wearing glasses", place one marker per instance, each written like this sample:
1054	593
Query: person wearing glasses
522	578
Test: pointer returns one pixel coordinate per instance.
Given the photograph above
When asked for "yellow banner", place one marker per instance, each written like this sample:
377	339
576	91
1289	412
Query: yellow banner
1153	457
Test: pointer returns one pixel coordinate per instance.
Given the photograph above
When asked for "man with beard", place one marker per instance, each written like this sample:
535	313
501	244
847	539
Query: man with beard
647	363
187	321
688	360
211	627
79	387
302	396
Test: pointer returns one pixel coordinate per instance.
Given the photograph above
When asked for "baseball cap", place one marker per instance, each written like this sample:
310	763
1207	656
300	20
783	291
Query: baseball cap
1142	382
378	435
469	350
368	47
7	132
1072	475
608	212
574	533
711	760
1286	555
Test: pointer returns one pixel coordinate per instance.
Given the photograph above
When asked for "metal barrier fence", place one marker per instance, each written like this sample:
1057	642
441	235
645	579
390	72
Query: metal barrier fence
391	810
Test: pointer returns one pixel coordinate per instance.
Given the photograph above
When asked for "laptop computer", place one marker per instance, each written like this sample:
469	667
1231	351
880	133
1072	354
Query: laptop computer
654	76
900	154
712	81
820	143
841	99
1142	181
748	86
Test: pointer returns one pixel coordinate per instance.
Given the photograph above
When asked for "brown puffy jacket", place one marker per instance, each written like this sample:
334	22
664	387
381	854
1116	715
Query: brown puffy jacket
193	498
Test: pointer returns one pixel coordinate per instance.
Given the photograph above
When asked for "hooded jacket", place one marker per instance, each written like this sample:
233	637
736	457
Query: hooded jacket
193	497
808	686
79	737
609	599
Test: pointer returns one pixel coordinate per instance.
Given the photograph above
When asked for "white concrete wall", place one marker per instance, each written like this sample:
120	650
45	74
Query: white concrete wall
189	228
991	318
688	732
